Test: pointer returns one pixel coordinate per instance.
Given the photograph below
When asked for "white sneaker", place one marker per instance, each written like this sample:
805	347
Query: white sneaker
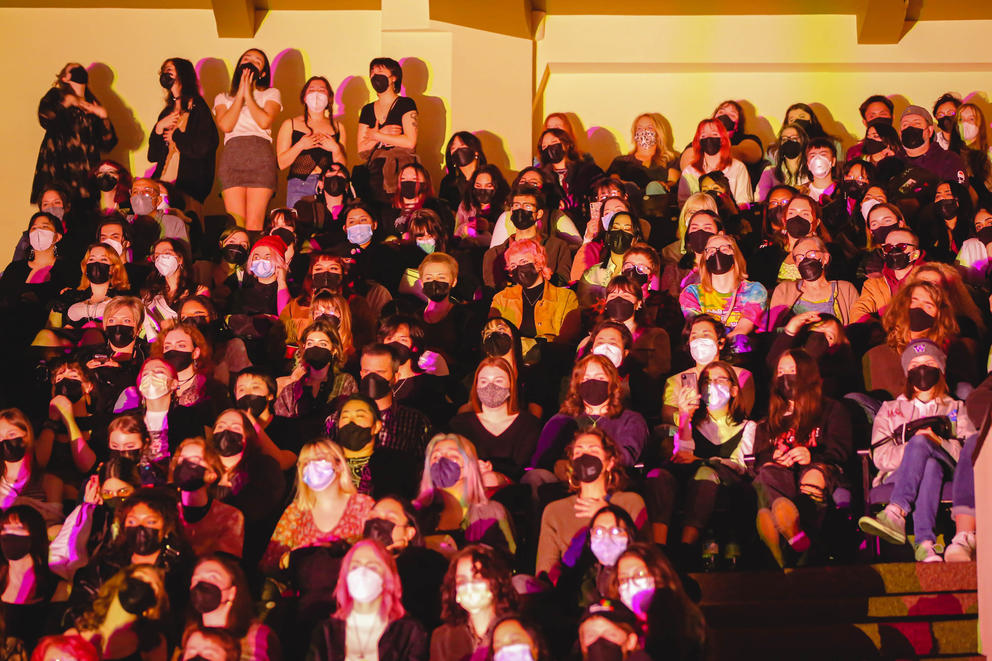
961	548
926	553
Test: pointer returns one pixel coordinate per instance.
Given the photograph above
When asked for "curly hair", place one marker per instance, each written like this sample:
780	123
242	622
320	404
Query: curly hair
896	317
488	565
325	327
573	404
953	286
616	477
160	500
201	364
118	276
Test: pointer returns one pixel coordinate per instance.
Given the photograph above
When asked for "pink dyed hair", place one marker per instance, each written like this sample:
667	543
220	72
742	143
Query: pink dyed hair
391	607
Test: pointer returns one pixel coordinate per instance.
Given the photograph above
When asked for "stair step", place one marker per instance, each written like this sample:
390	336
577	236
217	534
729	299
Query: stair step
841	582
889	640
942	605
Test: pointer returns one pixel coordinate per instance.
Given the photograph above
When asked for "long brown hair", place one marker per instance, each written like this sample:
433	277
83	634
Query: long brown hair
512	404
616	477
735	410
573	404
896	318
808	402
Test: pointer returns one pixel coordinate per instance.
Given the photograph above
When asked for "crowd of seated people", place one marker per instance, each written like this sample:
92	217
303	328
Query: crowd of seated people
501	418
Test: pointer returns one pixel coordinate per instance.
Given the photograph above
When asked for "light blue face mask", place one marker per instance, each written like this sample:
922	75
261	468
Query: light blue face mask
263	268
359	234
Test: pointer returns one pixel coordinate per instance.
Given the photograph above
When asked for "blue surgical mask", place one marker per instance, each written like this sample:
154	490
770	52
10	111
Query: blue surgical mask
263	268
359	234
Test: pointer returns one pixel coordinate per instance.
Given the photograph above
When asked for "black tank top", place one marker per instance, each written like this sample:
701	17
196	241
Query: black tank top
309	159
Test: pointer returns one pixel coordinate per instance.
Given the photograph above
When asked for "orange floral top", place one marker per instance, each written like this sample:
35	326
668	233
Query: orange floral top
296	529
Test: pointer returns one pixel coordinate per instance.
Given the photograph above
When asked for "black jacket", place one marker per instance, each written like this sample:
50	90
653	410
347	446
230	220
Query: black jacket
403	640
197	147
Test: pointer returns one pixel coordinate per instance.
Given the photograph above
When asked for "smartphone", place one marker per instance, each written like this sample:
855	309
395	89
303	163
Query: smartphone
689	380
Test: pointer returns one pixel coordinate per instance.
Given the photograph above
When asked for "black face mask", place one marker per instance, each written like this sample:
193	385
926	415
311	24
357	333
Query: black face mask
587	468
113	503
131	455
855	189
229	442
286	234
166	80
872	146
553	153
785	386
697	240
912	137
805	124
381	530
353	436
604	650
635	275
255	404
71	388
920	320
719	263
119	335
374	386
179	360
619	309
79	75
402	351
810	269
234	254
317	357
897	261
727	122
335	186
248	67
137	596
522	218
483	195
15	547
879	234
797	227
380	83
436	290
329	318
524	275
97	272
497	344
710	146
619	241
13	449
409	189
946	123
326	280
106	182
462	156
594	391
189	476
923	377
205	597
791	149
985	234
949	209
142	539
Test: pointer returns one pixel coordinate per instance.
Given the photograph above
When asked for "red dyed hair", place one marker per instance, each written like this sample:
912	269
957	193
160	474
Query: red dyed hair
725	158
76	647
391	607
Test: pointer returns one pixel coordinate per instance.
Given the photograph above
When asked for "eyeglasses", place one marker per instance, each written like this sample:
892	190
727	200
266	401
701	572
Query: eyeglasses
809	254
898	247
640	268
599	532
725	249
718	380
640	573
523	205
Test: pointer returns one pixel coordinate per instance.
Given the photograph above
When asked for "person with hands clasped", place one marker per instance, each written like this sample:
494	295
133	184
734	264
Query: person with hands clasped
813	292
248	168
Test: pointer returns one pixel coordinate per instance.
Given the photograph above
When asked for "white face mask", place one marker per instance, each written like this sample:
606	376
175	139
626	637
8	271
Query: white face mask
364	585
636	593
611	352
154	387
717	395
263	268
867	206
474	596
166	264
316	101
116	245
41	239
516	652
819	166
319	474
968	131
703	350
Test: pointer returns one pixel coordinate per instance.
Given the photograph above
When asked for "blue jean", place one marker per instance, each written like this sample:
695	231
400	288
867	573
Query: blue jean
918	480
297	189
964	480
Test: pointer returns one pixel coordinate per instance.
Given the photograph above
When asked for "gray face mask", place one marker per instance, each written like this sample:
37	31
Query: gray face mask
142	205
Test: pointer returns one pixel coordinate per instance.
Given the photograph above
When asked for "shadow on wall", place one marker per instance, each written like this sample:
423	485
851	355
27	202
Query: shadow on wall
602	143
431	113
351	97
288	76
758	125
215	78
495	150
130	135
834	128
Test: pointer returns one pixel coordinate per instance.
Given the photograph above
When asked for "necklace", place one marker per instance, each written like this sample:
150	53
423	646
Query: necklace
527	298
365	645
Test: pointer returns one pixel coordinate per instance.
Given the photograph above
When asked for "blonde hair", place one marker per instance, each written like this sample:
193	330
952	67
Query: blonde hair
739	270
474	491
131	303
118	275
306	498
663	154
94	617
439	258
696	202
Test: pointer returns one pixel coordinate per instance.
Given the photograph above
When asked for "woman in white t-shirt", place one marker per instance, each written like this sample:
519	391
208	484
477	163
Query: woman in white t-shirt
711	145
248	163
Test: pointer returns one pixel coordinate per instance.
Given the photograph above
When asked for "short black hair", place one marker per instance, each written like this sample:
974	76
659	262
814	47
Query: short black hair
822	143
946	97
528	191
394	69
875	98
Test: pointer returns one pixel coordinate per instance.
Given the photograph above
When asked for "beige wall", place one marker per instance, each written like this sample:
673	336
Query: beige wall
608	69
